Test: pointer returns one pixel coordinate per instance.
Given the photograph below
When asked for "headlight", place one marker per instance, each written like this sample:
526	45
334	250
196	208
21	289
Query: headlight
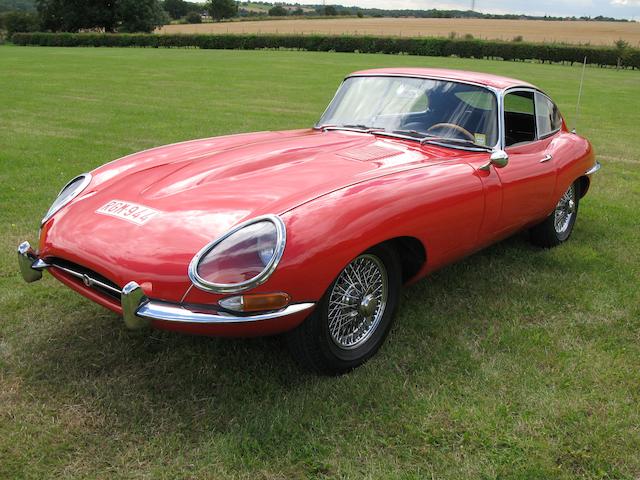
242	258
70	191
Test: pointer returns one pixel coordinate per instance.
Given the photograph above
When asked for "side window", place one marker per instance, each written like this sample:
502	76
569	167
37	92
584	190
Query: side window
547	115
519	118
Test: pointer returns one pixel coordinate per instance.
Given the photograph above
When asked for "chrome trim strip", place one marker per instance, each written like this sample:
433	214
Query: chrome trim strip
175	313
594	169
281	240
87	279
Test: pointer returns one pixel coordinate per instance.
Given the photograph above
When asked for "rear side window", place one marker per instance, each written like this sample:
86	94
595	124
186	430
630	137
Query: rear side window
547	116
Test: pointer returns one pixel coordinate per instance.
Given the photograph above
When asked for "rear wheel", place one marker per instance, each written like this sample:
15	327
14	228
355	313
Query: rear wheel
557	227
354	316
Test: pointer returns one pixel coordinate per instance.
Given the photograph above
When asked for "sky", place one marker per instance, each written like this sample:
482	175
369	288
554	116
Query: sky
610	8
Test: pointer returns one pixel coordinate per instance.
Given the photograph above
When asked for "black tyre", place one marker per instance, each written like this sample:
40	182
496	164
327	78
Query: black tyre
557	227
354	316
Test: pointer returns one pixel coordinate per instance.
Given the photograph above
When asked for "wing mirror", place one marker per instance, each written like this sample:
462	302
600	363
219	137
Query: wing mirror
498	158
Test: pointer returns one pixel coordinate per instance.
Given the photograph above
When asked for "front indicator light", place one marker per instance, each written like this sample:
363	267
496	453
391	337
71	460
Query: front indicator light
256	302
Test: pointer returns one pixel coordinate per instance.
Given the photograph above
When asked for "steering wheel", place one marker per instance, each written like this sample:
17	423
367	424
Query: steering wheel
452	126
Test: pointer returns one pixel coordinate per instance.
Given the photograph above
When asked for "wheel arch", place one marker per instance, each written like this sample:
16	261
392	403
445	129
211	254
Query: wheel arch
412	254
584	183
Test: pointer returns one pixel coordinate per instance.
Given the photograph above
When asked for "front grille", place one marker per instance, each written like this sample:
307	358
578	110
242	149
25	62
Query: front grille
88	277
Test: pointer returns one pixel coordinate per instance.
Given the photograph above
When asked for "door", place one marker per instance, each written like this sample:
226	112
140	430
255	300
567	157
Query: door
528	181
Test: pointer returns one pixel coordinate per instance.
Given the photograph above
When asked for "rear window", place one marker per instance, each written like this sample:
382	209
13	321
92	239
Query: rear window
547	115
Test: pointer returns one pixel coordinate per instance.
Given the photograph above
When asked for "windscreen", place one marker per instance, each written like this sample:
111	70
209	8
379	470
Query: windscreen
438	108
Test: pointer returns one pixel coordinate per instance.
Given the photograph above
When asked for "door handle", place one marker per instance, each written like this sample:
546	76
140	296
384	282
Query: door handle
546	158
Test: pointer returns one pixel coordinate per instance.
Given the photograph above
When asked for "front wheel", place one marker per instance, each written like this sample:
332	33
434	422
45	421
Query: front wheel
557	227
353	317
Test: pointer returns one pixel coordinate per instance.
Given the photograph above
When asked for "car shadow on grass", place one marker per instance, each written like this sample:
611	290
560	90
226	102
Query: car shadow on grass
248	393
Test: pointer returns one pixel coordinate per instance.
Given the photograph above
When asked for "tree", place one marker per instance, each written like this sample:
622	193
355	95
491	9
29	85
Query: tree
176	8
139	15
19	22
71	16
107	15
219	9
193	17
298	12
330	11
278	11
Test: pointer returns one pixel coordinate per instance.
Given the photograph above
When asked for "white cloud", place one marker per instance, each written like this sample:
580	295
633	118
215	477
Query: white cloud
630	3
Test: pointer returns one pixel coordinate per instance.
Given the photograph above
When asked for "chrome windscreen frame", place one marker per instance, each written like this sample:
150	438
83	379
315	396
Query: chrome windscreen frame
263	276
86	180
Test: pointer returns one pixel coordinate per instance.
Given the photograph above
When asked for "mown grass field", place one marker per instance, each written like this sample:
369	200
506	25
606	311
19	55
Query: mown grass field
516	363
594	33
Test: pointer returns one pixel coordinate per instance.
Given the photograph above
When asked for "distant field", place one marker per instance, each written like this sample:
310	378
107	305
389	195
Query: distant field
597	33
514	364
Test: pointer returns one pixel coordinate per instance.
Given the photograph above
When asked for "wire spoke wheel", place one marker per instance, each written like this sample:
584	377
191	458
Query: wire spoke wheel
565	210
357	301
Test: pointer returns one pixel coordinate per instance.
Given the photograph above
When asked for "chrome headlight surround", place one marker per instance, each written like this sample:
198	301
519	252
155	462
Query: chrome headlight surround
79	183
263	276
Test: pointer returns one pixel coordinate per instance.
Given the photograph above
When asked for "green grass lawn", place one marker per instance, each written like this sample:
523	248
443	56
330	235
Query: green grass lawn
515	363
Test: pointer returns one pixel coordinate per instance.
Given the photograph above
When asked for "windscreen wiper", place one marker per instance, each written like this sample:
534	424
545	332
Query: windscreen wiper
351	127
428	138
446	141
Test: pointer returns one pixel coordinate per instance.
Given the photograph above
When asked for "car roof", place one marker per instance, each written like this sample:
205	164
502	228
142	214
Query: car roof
486	79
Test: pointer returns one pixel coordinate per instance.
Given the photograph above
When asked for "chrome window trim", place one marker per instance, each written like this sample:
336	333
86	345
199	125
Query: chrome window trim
85	182
263	276
514	89
535	90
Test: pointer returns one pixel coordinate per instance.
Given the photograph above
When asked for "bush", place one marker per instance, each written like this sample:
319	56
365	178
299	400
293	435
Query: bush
436	47
278	11
193	17
14	22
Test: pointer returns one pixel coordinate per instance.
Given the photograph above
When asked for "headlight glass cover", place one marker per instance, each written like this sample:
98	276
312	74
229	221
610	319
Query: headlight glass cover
241	259
70	191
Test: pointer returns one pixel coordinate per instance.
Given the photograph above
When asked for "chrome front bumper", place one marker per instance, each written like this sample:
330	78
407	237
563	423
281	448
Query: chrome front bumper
138	310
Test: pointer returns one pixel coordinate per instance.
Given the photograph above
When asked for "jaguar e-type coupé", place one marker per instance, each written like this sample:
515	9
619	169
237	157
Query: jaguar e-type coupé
313	232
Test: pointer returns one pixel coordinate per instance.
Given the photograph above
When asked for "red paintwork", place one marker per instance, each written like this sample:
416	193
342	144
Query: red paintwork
339	193
479	78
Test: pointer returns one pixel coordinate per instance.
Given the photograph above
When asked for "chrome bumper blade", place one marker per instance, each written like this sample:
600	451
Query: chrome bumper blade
138	311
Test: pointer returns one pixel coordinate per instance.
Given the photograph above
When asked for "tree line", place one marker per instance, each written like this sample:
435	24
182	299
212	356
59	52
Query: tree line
107	16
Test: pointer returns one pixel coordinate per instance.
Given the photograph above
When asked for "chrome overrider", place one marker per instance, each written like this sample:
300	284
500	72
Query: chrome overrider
138	310
597	166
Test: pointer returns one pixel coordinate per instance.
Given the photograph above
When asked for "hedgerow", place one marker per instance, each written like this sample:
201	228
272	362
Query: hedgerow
430	46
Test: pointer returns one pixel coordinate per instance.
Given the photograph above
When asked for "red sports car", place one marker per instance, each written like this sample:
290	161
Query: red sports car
313	232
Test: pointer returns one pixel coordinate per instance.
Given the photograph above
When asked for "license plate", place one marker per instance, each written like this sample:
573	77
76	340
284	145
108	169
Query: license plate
129	211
